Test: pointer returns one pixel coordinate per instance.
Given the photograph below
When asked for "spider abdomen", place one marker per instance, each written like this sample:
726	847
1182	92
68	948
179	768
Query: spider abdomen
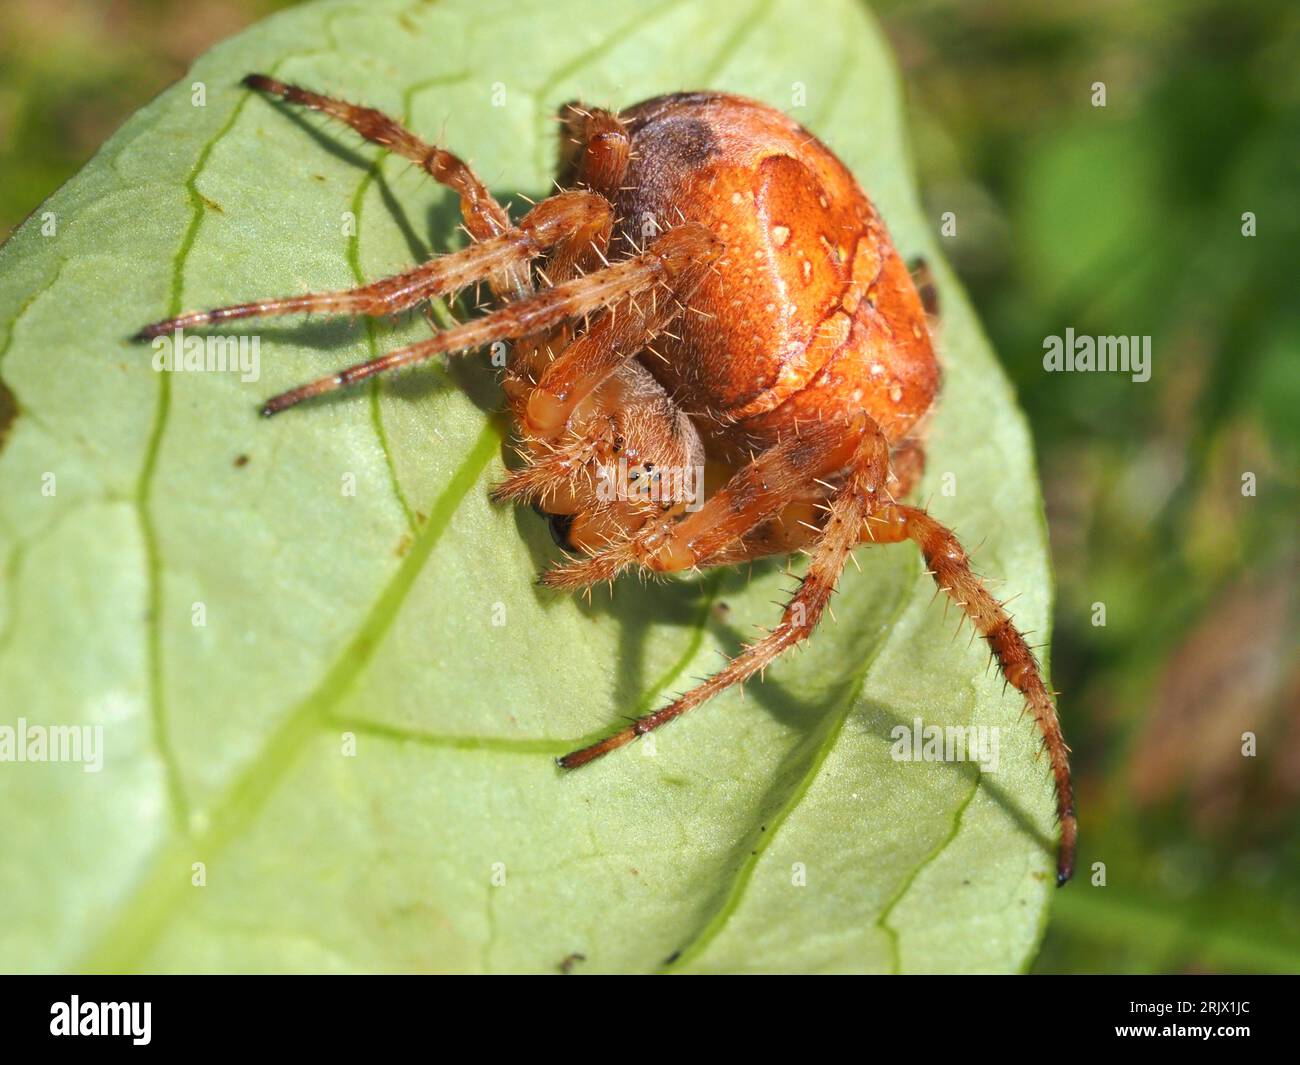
810	311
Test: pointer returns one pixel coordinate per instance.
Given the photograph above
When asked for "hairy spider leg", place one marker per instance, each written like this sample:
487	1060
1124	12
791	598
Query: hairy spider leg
557	223
594	153
672	253
581	391
793	529
798	523
595	149
858	497
484	217
949	563
754	493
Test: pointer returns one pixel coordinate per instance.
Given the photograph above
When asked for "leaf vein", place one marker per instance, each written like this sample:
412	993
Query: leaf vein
882	922
712	928
159	894
178	801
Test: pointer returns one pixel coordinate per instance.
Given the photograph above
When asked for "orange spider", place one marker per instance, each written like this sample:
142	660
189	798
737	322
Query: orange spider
717	292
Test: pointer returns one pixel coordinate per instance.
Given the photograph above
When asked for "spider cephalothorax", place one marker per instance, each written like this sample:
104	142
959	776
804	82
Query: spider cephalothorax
717	356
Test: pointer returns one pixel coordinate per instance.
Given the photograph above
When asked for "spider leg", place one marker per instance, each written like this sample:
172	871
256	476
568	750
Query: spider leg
594	151
595	404
858	497
611	342
949	563
628	455
754	493
797	524
595	148
907	463
793	530
678	251
484	217
560	222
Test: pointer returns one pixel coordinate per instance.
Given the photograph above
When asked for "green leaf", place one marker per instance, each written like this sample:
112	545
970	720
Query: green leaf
327	614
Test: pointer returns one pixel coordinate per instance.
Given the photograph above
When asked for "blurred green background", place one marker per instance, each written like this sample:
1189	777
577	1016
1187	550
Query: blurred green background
1123	220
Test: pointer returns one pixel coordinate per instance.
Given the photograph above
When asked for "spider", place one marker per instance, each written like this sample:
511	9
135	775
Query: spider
709	289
